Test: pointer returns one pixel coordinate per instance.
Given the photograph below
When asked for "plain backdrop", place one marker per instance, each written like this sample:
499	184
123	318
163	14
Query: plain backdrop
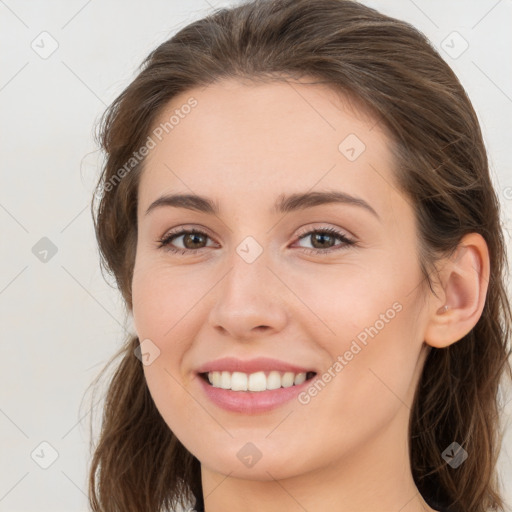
62	63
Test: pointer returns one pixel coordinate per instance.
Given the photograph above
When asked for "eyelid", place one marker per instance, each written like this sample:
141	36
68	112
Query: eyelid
316	226
336	232
182	231
323	226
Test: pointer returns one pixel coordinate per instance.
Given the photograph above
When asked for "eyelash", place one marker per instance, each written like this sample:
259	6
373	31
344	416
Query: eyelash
165	241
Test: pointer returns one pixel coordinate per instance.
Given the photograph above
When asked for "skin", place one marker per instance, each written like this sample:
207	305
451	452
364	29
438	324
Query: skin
243	145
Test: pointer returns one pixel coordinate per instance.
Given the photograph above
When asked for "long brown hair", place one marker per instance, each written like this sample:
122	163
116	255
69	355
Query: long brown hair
391	68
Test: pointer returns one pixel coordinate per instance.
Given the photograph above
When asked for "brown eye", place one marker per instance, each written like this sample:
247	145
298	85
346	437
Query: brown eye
191	240
323	240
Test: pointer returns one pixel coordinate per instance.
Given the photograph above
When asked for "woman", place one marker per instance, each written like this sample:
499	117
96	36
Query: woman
297	208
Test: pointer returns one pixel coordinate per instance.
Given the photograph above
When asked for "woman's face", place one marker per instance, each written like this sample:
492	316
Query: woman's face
261	280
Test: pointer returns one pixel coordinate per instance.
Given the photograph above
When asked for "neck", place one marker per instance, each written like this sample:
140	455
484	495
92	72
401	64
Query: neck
376	476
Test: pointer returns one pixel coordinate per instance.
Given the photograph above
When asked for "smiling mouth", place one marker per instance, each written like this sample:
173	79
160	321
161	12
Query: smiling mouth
258	381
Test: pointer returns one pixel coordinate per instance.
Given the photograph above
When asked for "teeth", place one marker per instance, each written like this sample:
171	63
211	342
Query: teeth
259	381
274	380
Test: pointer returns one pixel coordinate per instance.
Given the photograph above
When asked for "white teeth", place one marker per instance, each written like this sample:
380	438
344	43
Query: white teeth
287	379
225	380
274	380
259	381
239	381
299	378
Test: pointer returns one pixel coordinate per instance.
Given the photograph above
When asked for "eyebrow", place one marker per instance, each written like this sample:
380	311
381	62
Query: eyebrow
284	203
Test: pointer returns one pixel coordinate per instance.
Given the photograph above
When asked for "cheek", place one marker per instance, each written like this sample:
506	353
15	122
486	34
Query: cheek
369	381
160	316
372	334
161	296
341	300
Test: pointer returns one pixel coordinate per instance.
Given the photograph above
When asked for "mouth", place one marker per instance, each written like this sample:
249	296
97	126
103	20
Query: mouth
255	382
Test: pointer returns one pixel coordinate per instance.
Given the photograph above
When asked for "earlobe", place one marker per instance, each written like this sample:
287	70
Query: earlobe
464	279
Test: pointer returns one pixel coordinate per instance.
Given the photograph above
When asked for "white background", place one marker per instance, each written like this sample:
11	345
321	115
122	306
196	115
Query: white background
60	321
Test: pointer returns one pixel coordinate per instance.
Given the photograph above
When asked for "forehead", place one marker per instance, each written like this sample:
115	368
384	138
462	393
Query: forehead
248	143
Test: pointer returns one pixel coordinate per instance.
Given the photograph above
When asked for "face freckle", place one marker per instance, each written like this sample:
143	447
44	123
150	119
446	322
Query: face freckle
354	314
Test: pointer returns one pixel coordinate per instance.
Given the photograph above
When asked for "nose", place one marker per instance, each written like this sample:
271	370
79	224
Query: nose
249	300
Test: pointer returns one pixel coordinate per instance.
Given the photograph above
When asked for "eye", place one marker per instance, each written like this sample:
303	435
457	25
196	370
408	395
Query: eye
193	238
324	236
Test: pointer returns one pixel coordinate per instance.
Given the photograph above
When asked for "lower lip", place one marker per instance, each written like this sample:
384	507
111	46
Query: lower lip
252	402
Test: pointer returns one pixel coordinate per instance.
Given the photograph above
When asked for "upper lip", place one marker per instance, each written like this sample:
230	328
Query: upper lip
232	364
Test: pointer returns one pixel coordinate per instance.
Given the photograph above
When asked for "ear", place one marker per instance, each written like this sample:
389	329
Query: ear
464	279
